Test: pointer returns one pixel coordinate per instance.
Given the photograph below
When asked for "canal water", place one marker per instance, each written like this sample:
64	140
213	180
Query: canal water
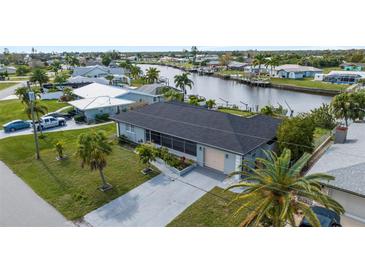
237	93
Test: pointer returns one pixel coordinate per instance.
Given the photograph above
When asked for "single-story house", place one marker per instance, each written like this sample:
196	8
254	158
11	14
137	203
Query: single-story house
96	90
149	94
88	80
256	69
292	71
90	107
213	63
346	162
341	77
237	65
353	66
213	139
10	70
96	71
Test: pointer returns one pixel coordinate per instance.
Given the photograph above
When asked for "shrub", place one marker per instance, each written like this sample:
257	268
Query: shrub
80	118
102	117
323	117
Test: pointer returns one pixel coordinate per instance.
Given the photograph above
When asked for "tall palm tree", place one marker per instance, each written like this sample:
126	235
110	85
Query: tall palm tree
259	60
55	66
182	81
39	76
152	75
110	78
173	95
135	71
272	192
22	94
343	107
39	111
93	148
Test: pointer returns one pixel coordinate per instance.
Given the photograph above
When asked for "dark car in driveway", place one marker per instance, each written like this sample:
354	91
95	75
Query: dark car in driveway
327	217
66	116
16	125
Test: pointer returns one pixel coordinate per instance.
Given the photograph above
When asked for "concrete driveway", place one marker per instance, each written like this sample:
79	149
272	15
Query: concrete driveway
10	90
158	201
20	206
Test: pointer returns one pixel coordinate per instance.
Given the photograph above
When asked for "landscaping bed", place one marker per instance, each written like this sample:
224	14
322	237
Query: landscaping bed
211	210
72	190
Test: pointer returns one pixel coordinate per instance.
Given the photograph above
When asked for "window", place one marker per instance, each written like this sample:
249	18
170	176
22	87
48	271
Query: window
129	128
147	135
190	148
166	141
156	137
178	144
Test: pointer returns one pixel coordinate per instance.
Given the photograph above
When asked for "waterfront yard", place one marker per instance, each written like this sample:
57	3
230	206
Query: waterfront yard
14	109
72	190
6	85
308	83
234	111
211	210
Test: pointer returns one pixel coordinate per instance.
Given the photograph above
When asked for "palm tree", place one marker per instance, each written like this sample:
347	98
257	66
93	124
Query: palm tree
110	78
72	60
147	154
152	75
182	81
194	52
258	61
272	193
173	95
55	66
274	62
343	107
39	111
40	76
22	94
92	149
210	103
135	71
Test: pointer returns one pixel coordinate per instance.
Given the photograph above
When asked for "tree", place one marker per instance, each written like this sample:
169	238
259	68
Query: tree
60	147
182	81
106	59
135	71
194	52
147	154
172	95
61	77
258	61
93	148
72	60
22	94
210	103
271	191
22	70
272	62
225	59
296	133
152	75
40	76
55	66
343	107
39	111
110	78
323	117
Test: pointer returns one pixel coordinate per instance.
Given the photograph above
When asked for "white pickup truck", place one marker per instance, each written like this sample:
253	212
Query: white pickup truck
49	122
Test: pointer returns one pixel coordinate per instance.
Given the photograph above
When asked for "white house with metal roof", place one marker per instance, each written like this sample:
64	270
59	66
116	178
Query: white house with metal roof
292	71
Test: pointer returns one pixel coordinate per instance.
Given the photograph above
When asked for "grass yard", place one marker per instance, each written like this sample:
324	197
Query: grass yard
239	112
6	85
14	109
327	70
64	184
210	211
308	83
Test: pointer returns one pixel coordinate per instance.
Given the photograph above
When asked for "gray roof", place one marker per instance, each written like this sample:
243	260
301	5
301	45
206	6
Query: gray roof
346	162
213	128
151	89
82	71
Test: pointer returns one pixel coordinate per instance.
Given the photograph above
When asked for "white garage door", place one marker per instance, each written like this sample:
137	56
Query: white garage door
214	158
354	205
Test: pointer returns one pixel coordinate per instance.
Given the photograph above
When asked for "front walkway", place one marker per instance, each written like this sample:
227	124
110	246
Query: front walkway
20	206
158	201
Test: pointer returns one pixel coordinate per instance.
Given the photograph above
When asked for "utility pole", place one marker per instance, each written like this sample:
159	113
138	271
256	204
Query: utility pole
31	97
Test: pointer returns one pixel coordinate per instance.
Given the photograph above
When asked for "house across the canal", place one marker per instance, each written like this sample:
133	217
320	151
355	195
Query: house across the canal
292	71
211	138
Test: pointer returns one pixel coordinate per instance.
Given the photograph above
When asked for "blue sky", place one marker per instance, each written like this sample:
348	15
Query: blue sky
163	48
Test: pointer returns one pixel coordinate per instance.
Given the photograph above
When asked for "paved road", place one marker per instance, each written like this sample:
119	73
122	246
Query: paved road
158	201
70	125
10	90
20	206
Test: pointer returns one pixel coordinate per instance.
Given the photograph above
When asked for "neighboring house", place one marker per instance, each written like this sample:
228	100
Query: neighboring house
151	93
96	71
91	107
237	65
346	162
88	80
213	139
213	63
341	77
292	71
96	90
10	70
353	66
257	69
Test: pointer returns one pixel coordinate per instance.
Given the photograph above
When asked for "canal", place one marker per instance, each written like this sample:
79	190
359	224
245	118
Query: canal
237	93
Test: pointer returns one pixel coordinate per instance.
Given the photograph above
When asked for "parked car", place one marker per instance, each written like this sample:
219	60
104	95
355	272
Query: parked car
49	122
16	125
67	116
327	217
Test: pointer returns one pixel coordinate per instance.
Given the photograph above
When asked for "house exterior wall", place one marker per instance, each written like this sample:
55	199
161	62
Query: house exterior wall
138	136
90	114
149	99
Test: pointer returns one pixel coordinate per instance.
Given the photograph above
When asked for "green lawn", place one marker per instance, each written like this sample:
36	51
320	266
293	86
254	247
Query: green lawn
236	112
327	70
64	184
19	78
6	85
308	83
14	109
211	210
